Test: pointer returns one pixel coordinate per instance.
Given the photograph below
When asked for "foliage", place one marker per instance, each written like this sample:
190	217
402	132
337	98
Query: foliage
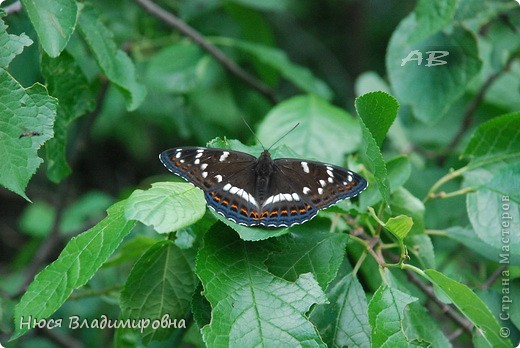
428	255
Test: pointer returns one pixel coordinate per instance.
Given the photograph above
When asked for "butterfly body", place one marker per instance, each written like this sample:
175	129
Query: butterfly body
261	191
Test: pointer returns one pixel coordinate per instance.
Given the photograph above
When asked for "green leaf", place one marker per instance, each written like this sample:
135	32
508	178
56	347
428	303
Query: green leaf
77	263
399	226
114	63
54	22
495	218
167	206
278	60
496	139
468	238
420	325
369	150
431	17
67	82
252	233
325	132
344	321
430	102
386	316
309	248
177	68
378	111
12	45
130	250
471	306
252	307
160	283
37	219
26	118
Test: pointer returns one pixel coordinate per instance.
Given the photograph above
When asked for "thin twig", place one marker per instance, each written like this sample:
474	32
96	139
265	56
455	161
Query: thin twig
196	37
467	120
493	277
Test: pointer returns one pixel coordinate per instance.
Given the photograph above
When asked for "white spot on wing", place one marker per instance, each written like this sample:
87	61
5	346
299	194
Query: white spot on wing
268	201
287	196
203	166
197	161
227	187
305	167
199	155
182	161
295	196
330	180
222	158
178	154
349	177
204	174
306	190
233	190
323	183
320	190
330	173
218	177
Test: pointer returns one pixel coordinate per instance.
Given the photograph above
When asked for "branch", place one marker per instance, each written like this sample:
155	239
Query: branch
197	38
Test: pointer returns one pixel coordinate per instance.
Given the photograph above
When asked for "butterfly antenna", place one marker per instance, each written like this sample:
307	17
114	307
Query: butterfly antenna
247	124
283	136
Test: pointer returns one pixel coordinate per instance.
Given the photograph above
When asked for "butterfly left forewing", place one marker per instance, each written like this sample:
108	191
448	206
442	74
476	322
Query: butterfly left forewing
226	177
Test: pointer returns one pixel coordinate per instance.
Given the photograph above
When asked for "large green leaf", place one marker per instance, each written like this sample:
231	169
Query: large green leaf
309	248
344	321
26	119
54	21
65	81
161	283
497	139
471	240
77	263
378	111
252	307
420	326
326	133
441	84
386	316
471	306
114	63
167	206
432	16
12	45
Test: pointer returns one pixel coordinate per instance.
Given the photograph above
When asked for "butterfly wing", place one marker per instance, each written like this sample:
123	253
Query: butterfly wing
226	177
317	185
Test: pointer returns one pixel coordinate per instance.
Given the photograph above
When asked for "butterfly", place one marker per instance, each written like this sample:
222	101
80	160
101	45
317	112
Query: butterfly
262	191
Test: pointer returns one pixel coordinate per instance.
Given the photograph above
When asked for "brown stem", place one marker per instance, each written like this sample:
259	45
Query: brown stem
196	37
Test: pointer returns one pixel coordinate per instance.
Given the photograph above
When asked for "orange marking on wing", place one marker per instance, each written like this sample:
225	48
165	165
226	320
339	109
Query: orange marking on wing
302	210
264	214
348	187
177	163
225	202
274	213
284	212
340	188
294	212
234	207
217	198
243	211
354	183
